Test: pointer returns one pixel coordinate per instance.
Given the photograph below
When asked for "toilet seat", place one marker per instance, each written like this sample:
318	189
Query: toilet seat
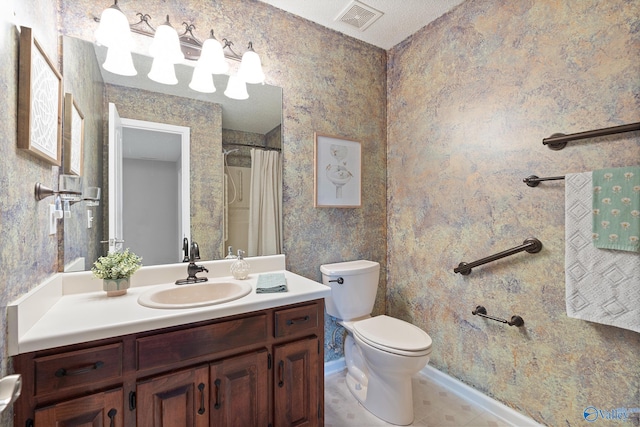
393	336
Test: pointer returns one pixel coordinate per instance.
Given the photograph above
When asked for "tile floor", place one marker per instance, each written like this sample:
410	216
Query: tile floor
433	407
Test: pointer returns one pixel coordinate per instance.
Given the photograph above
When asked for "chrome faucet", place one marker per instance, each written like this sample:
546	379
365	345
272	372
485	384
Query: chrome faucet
192	268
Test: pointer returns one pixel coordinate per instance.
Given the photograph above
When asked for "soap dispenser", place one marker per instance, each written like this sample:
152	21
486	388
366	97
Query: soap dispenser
240	267
230	254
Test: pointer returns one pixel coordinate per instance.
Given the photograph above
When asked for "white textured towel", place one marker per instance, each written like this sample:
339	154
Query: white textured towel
602	285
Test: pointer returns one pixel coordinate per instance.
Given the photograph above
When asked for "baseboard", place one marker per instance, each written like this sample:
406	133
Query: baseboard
471	395
334	366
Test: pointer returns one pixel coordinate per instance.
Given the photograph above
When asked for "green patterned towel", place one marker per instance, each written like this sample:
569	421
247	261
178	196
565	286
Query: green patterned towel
616	208
270	283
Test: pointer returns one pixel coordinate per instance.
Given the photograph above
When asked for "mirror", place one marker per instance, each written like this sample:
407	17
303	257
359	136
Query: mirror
217	124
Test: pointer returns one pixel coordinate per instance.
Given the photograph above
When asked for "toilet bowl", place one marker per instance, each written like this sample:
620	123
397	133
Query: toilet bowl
382	353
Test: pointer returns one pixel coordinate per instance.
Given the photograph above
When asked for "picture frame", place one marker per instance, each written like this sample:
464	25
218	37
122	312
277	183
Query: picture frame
39	101
73	131
337	172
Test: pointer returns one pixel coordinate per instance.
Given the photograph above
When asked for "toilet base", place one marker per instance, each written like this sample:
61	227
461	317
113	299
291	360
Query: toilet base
381	403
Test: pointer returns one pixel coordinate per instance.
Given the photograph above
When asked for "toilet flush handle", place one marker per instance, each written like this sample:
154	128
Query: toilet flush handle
340	280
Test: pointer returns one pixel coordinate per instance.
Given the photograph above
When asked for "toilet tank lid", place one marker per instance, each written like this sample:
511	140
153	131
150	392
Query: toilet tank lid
349	268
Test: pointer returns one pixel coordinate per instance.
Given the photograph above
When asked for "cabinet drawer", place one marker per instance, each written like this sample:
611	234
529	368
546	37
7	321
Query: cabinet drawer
173	347
293	321
77	368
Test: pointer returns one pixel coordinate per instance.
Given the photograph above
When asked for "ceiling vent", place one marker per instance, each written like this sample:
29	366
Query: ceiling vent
359	15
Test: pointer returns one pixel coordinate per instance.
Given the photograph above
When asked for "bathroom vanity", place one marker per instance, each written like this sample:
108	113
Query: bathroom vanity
256	361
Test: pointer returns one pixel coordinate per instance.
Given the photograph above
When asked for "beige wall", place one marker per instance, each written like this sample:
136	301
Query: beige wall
470	99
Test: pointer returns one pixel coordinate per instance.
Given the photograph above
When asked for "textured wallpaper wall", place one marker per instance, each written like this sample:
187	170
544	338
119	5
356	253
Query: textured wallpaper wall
470	98
28	254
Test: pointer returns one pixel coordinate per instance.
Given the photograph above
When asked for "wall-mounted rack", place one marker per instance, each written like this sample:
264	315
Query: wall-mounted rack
515	320
531	245
533	180
558	141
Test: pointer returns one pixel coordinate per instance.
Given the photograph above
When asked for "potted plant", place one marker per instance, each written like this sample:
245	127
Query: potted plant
115	269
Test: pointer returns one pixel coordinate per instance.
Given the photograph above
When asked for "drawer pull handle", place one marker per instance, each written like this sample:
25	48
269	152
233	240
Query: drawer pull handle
112	415
217	384
201	388
298	320
281	373
62	372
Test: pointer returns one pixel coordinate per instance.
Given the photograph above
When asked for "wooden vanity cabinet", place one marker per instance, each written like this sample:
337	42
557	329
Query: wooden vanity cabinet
263	368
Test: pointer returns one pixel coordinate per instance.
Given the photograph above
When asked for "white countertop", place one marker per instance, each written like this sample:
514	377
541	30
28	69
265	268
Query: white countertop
55	314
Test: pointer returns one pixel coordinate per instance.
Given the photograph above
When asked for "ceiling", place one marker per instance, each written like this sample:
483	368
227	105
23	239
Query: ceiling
399	19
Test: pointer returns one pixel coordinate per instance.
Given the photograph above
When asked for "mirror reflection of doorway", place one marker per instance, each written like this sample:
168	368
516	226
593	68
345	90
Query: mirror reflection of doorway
155	190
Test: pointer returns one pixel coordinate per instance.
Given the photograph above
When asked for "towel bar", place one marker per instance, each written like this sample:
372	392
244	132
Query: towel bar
533	180
515	320
531	245
558	141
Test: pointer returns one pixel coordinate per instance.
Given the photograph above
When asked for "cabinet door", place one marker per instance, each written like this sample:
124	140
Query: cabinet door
239	391
99	409
177	399
296	383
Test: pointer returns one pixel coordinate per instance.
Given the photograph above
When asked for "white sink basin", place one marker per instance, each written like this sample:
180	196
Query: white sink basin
193	295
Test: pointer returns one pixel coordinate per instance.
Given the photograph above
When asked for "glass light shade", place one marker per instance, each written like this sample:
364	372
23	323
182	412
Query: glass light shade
202	80
166	44
212	57
251	67
236	88
119	61
114	30
163	71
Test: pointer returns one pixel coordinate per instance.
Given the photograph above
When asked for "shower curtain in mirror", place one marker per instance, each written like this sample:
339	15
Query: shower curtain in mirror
265	216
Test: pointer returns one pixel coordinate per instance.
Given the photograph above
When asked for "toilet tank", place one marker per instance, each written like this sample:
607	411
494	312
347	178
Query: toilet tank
356	295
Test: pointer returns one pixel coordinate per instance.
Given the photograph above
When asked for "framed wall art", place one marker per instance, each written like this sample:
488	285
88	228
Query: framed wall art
39	101
73	136
337	172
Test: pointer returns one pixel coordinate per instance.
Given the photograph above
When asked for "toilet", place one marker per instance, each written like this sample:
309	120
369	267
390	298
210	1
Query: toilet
381	353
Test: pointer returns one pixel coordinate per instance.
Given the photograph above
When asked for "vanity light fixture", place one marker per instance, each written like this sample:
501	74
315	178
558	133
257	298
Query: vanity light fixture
210	54
114	33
